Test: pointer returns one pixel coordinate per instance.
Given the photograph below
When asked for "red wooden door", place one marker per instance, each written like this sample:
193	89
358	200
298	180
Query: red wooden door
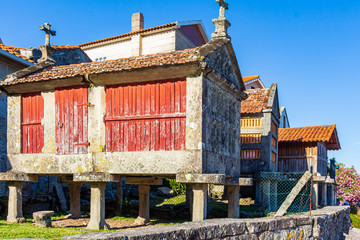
71	120
31	128
146	116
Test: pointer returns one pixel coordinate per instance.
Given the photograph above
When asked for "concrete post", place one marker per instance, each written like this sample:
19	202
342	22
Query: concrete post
315	195
189	197
119	198
15	214
97	206
324	194
144	205
75	204
233	205
199	208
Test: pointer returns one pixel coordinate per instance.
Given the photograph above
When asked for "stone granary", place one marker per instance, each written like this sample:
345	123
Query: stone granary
305	149
10	61
173	114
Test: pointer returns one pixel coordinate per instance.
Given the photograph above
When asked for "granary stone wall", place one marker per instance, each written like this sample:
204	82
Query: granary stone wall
3	157
221	130
328	223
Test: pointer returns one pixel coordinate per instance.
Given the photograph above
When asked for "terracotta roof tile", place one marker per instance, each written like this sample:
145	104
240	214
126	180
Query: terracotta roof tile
325	133
248	78
58	72
13	50
257	100
65	46
169	25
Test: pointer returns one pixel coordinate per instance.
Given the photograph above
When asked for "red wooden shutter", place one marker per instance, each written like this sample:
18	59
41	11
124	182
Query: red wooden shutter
71	120
32	130
146	116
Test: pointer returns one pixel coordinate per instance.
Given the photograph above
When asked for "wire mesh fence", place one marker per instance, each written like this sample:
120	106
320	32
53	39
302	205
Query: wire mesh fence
272	189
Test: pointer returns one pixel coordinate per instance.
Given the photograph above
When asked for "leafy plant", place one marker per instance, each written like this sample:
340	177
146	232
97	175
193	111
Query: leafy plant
178	188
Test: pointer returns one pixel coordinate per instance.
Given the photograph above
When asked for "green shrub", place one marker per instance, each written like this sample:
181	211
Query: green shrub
178	188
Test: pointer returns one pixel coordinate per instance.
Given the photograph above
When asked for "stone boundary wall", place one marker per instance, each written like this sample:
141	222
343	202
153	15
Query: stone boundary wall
327	223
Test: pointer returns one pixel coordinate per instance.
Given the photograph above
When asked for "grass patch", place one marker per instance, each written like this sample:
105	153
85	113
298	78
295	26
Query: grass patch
26	230
355	220
177	200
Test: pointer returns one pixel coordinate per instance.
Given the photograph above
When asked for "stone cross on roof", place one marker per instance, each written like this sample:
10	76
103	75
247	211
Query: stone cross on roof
47	50
46	29
222	7
221	23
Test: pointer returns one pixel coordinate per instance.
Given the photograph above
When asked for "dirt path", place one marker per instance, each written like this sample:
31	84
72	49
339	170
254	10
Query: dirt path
354	234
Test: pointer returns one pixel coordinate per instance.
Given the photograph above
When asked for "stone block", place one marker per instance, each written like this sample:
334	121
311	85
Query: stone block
200	178
303	220
43	218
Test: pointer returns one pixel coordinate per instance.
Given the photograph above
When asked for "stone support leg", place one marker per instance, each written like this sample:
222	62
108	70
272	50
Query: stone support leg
144	205
233	205
15	214
189	197
315	195
119	198
97	206
75	204
199	208
324	194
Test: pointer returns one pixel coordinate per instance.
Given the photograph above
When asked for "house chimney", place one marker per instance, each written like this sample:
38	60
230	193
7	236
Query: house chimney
137	21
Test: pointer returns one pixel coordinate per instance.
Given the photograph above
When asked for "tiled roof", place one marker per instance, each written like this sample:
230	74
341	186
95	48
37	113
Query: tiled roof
325	133
13	50
65	46
123	64
169	25
257	100
248	78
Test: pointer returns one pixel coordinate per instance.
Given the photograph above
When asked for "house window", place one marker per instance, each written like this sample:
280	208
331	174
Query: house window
274	127
32	106
273	156
250	138
250	154
273	142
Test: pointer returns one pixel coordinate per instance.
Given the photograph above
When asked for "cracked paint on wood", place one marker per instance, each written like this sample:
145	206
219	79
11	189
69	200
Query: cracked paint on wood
71	120
32	131
146	116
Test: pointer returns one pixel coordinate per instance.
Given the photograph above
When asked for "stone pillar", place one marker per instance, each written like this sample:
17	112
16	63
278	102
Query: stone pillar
189	197
324	194
233	205
15	214
97	206
119	198
75	204
144	205
199	208
315	195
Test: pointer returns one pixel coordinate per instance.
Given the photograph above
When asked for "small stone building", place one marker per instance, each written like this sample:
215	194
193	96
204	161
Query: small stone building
305	149
10	61
173	114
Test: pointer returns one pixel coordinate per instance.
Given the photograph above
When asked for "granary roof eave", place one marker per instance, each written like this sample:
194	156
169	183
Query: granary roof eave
311	134
112	78
15	58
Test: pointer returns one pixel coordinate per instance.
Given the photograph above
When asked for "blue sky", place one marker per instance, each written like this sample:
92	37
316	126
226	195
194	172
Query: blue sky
311	48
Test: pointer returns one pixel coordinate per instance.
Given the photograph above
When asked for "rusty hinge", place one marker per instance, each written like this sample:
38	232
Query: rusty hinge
86	104
83	144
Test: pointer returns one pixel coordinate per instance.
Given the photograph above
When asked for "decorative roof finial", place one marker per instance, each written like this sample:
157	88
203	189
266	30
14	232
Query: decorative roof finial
47	50
46	29
221	23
